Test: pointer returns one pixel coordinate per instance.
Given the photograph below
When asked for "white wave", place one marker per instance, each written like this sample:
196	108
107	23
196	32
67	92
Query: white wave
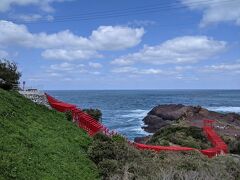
136	117
133	130
137	113
226	109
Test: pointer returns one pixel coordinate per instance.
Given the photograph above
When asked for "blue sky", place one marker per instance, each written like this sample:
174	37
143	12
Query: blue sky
138	44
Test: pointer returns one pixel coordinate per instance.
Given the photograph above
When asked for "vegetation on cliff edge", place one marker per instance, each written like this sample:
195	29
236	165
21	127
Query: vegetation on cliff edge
9	74
116	159
180	135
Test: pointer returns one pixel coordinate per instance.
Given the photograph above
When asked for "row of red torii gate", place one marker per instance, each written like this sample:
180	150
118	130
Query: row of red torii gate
93	126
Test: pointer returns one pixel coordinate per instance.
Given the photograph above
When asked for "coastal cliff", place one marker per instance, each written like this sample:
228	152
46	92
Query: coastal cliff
181	125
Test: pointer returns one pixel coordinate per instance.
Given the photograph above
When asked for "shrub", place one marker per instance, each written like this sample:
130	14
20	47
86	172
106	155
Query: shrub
6	86
180	135
68	115
102	137
101	150
116	159
107	166
196	133
9	75
118	138
95	113
233	144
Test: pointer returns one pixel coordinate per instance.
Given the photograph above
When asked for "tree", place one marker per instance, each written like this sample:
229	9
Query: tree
9	74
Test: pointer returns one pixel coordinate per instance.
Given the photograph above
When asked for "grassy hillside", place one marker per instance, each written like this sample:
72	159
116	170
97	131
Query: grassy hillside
37	143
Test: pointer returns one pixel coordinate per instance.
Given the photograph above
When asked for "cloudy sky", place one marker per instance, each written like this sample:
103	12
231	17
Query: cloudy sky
106	44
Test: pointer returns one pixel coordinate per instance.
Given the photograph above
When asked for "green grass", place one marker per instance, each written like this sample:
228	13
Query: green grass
37	143
180	135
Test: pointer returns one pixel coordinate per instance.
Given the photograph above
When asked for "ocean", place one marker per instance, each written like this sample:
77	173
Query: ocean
123	110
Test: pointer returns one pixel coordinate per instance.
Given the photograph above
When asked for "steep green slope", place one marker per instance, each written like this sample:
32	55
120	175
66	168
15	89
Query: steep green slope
37	143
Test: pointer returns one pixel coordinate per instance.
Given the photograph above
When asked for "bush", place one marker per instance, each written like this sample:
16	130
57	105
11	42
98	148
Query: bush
95	113
9	75
116	159
102	137
101	150
179	135
233	144
6	86
68	115
118	138
108	166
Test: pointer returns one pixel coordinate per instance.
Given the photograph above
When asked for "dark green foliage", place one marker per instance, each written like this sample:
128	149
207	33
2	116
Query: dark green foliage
120	160
108	166
101	149
234	147
101	137
38	143
118	138
6	86
179	135
9	75
95	113
233	144
69	115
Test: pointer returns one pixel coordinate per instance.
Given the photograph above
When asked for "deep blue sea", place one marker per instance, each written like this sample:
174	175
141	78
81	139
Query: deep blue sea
123	110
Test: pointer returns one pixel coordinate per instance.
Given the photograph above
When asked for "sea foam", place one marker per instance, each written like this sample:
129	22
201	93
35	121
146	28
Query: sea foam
137	113
226	109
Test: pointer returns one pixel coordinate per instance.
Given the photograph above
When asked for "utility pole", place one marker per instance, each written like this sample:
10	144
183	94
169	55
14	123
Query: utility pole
24	85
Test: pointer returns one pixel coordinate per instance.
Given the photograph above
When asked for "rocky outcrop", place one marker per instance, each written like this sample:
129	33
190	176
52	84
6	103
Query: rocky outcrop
154	123
37	97
163	115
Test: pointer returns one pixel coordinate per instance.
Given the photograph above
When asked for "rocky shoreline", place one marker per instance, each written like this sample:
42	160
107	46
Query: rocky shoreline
164	115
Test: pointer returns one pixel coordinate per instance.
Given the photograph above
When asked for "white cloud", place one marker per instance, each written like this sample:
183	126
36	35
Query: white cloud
115	38
126	69
138	71
3	54
183	68
94	72
69	55
141	23
95	65
14	34
215	11
152	71
30	17
64	70
53	74
68	46
228	68
49	18
68	70
6	5
67	79
65	67
186	49
187	78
